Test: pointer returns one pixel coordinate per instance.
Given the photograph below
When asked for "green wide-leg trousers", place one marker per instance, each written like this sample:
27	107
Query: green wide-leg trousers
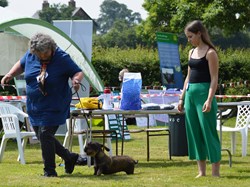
202	136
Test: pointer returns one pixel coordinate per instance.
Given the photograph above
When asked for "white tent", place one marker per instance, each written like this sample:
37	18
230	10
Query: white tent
11	23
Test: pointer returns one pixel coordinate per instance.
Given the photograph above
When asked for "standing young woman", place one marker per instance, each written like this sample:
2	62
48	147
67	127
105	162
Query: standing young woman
198	99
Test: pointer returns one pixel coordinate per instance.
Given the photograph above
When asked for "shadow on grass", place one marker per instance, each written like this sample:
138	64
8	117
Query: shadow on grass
234	162
184	163
236	177
117	176
159	164
244	170
34	162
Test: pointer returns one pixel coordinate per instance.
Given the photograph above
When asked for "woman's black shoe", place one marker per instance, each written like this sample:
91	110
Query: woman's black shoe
50	174
70	165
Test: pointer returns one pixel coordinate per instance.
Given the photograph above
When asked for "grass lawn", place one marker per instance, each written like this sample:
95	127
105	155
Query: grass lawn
159	171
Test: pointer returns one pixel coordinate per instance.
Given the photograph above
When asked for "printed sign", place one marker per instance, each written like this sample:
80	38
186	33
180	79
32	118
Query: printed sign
169	60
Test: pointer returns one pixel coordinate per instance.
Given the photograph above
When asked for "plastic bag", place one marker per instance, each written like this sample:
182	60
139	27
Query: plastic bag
89	103
131	91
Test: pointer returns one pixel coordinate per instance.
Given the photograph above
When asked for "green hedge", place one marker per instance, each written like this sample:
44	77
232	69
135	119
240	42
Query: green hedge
234	65
235	68
109	62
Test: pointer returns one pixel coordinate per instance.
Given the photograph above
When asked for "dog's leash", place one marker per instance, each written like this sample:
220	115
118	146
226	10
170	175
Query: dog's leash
72	128
79	99
88	133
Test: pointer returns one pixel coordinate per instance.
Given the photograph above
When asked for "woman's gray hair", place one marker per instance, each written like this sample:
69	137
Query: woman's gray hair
41	43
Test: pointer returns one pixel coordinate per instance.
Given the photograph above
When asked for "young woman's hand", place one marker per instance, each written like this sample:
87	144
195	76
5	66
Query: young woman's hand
206	107
180	106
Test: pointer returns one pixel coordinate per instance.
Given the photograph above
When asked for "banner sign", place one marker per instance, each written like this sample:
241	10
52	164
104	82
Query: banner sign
170	66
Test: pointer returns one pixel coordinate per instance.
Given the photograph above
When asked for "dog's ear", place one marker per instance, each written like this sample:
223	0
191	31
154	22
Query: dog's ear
106	148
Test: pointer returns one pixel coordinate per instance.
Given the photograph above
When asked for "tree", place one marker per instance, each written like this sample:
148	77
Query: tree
117	26
229	16
120	35
112	11
57	12
4	3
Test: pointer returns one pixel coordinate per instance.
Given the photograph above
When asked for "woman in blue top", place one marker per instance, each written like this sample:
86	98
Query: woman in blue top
199	100
47	70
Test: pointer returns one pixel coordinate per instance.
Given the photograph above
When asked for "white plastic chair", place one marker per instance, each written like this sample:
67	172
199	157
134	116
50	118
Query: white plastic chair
78	126
241	125
81	129
10	122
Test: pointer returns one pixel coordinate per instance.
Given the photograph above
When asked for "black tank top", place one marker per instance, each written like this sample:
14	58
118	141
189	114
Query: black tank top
199	70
